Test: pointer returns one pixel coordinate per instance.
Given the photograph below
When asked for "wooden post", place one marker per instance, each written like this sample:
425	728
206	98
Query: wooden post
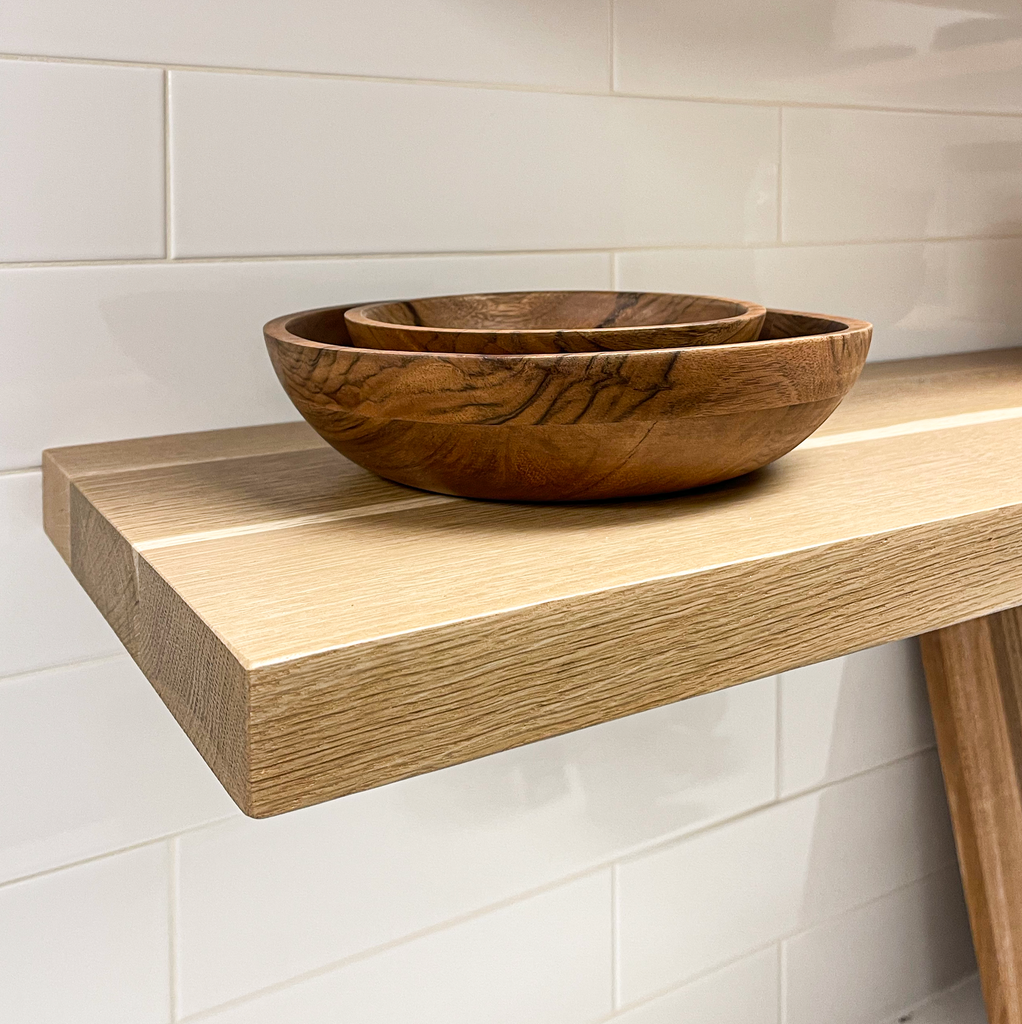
974	675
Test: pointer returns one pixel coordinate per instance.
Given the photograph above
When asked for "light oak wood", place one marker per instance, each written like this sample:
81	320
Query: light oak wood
516	323
974	674
317	630
210	446
572	426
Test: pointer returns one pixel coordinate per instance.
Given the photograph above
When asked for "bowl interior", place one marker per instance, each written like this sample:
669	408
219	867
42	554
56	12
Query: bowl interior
553	311
780	324
328	326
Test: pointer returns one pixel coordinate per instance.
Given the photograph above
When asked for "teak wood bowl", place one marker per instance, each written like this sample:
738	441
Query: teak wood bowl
572	426
517	323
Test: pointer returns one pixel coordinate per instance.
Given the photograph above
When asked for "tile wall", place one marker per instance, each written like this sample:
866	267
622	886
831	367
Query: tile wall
171	176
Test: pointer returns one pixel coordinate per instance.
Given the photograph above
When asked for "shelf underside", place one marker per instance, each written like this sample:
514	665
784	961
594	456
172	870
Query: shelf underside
319	631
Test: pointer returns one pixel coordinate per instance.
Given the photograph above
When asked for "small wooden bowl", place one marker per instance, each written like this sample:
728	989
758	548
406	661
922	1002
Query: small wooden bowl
517	323
573	426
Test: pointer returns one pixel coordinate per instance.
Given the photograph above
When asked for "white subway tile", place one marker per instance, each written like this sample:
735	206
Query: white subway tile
81	161
873	52
100	353
93	762
45	616
287	165
735	272
924	298
745	992
527	41
544	960
875	961
89	945
717	895
843	716
856	175
962	1004
291	894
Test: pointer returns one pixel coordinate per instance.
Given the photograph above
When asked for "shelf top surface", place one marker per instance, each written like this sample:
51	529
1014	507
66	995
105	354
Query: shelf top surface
285	549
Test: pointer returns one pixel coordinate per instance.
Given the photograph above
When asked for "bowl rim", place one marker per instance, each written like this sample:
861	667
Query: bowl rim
278	330
355	314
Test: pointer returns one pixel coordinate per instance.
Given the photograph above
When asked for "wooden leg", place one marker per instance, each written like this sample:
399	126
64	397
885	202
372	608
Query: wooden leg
974	675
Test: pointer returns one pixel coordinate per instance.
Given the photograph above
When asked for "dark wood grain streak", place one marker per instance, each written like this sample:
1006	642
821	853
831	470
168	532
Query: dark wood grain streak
569	426
516	323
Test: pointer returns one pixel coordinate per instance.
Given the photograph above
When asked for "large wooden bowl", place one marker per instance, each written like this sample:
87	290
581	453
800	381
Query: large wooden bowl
568	427
516	323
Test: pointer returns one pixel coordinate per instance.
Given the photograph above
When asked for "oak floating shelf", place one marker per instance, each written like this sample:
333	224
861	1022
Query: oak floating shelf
319	631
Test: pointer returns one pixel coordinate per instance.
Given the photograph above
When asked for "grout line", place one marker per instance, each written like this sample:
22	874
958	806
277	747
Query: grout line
172	898
934	997
18	677
107	854
367	954
330	76
168	245
780	175
613	863
507	86
461	254
591	870
666	841
691	979
819	787
779	941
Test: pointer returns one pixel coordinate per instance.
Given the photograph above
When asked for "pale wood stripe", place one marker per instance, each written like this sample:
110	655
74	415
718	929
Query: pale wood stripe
383	508
967	419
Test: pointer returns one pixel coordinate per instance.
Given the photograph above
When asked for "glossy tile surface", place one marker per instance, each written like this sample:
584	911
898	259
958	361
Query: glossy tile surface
873	52
844	716
527	41
293	893
894	211
173	347
861	175
88	945
745	992
922	928
81	162
545	960
962	1004
925	298
91	761
438	168
45	616
722	893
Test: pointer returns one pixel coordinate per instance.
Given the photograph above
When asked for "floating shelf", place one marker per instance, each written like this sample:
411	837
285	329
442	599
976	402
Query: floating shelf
319	631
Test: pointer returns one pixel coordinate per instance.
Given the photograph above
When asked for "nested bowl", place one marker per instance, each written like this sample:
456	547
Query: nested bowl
517	323
568	426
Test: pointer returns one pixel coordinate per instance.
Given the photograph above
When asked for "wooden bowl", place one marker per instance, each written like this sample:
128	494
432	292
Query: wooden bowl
573	426
516	323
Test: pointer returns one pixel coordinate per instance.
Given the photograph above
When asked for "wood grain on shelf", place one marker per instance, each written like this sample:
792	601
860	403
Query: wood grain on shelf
915	390
974	674
318	631
77	461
